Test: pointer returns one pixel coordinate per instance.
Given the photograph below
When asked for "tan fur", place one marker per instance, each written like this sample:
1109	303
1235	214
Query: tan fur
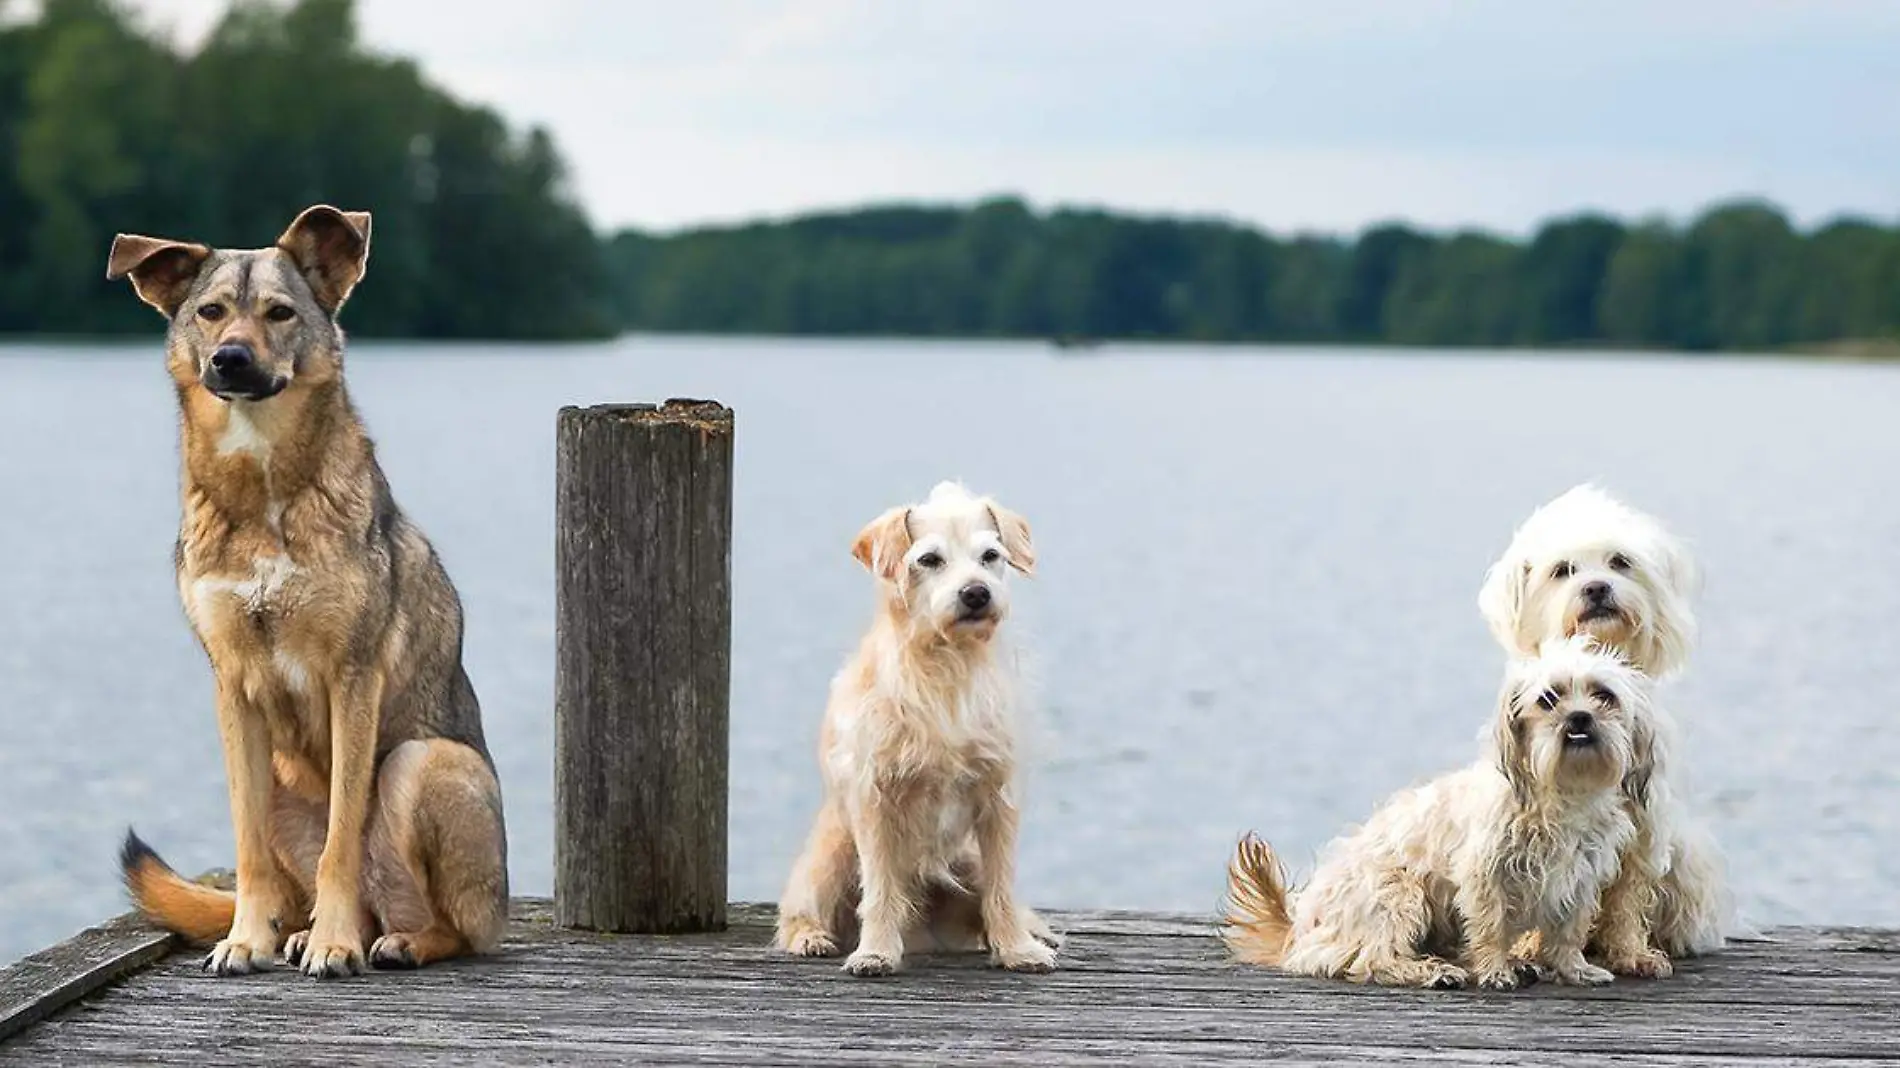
916	841
1434	889
1259	926
1671	897
363	800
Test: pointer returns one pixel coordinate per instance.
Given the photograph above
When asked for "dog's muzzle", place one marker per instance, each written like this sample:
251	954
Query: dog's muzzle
975	604
1580	731
1599	603
233	373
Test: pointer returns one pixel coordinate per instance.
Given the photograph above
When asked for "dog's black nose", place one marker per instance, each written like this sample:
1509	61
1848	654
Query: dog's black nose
974	596
1596	592
231	358
1580	722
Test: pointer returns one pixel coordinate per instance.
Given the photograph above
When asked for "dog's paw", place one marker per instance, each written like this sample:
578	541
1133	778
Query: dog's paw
330	958
394	952
812	944
1035	957
1586	975
1649	964
237	956
1442	975
870	965
1501	979
1529	972
294	947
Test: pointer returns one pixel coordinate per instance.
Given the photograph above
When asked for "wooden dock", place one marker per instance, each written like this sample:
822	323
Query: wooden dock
1133	989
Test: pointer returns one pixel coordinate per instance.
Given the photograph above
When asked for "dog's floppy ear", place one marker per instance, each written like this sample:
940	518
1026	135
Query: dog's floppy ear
162	271
331	249
1513	753
1671	634
1501	600
1013	529
881	545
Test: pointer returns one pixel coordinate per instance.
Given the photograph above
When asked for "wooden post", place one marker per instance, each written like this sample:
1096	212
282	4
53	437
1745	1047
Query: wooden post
643	551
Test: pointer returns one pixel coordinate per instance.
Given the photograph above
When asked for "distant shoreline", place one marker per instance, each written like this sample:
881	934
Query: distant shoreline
1853	350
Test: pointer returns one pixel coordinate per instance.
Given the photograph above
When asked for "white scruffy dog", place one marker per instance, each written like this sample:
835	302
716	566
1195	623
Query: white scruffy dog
917	833
1587	564
1439	883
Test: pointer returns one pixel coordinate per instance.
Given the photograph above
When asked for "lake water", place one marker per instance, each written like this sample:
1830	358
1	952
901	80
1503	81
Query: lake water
1255	607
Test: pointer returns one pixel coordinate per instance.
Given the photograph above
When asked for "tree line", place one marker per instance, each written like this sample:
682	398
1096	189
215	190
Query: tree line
106	125
1740	276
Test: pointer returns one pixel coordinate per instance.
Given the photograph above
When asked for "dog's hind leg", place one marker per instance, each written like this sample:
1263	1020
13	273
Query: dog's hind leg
1395	928
818	897
1693	910
437	872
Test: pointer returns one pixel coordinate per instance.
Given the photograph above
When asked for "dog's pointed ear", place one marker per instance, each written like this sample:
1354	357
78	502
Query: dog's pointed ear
1013	529
881	545
1513	753
161	270
1501	601
331	250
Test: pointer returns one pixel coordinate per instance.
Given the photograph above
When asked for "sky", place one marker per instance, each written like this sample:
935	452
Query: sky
1296	115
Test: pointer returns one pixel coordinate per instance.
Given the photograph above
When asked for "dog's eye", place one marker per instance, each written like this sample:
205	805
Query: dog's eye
930	561
1547	700
1604	697
1563	570
1619	562
281	313
990	556
210	313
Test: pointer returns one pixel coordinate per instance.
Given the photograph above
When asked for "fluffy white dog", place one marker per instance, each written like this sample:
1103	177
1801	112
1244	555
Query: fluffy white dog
917	833
1587	564
1435	888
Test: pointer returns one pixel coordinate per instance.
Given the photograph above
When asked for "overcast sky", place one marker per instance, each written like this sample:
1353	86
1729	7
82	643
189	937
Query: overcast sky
1295	114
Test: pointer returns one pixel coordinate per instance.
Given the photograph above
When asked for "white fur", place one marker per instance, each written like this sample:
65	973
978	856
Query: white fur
1535	592
917	833
242	434
262	590
1524	839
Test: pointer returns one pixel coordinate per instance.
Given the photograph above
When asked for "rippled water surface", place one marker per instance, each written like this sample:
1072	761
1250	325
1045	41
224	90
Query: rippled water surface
1254	609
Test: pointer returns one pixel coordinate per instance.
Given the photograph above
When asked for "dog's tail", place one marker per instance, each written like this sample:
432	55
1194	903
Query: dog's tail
199	913
1258	923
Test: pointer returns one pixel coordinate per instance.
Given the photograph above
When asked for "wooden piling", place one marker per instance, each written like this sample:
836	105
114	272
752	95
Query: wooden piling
643	509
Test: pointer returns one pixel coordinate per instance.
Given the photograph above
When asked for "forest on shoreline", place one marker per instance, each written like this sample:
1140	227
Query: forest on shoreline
107	125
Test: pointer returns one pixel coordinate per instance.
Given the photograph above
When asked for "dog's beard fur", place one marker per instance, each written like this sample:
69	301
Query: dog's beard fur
1525	838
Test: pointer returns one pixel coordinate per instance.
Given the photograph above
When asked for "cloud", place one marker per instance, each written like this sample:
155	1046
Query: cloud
1286	112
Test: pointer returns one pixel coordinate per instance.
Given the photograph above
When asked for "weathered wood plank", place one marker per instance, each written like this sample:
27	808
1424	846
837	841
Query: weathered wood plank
642	650
47	981
1138	993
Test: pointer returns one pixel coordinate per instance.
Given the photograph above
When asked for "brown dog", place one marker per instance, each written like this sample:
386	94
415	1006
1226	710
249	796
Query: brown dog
365	803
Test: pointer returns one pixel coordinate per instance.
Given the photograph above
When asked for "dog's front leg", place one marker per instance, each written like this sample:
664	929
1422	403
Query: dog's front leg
887	905
262	898
1563	947
1623	932
1013	944
339	929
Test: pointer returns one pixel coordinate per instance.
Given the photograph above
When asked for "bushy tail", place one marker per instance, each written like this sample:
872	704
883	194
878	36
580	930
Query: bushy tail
1258	923
199	913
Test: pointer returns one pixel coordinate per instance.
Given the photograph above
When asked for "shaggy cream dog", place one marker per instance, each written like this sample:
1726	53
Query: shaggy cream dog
917	833
1587	564
1435	888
